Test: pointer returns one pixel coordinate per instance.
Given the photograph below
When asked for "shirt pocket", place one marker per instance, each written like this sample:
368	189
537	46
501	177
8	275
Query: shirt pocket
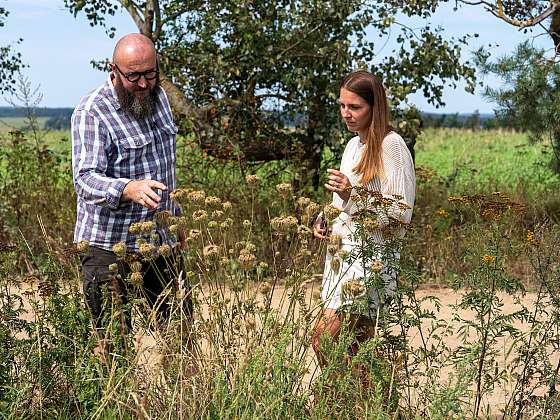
168	135
135	154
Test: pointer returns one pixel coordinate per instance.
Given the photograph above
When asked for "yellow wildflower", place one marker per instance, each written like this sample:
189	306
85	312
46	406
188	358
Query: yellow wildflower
488	259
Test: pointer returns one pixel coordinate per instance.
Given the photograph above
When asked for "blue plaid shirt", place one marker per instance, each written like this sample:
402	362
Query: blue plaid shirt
111	148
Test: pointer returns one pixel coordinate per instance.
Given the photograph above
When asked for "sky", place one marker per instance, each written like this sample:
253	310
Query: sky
58	48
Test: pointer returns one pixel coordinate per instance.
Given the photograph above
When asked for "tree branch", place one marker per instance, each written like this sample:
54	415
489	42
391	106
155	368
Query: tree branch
180	104
497	10
134	11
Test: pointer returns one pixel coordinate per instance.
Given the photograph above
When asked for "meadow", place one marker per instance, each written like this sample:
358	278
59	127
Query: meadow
473	331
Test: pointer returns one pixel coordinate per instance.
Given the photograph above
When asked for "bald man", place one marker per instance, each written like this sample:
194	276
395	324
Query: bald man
123	160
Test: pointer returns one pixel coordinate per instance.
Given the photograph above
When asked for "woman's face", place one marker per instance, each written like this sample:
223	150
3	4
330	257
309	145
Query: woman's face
355	111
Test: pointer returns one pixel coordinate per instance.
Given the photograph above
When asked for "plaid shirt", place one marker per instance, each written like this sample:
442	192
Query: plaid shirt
111	148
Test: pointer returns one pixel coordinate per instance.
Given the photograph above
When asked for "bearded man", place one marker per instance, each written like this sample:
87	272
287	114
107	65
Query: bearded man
123	160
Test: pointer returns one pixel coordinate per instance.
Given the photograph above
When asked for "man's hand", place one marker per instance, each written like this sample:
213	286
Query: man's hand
142	192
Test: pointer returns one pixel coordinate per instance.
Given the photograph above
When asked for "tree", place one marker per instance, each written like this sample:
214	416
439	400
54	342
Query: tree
530	97
259	78
10	60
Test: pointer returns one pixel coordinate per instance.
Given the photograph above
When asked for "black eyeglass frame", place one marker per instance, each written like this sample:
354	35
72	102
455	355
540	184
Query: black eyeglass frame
134	76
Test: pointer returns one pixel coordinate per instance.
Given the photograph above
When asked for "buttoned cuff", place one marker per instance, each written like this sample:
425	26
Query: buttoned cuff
114	192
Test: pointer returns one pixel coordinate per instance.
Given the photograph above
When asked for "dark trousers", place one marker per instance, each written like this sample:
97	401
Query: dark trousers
104	288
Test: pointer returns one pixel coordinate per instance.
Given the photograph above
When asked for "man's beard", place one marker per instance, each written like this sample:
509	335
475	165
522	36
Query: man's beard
138	106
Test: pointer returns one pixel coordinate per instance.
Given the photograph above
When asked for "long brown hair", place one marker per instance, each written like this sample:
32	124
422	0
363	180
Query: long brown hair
370	88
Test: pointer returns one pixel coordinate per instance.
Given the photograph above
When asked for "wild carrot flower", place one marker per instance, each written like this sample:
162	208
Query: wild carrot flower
147	227
162	217
113	267
173	229
178	195
212	224
335	264
226	205
303	231
119	249
247	224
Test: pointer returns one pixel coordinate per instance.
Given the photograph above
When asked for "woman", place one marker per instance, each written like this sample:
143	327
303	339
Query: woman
376	160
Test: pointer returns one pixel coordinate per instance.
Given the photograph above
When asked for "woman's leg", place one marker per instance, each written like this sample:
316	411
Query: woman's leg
329	323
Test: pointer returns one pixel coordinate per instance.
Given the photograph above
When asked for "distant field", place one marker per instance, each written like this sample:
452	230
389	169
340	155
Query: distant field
487	160
466	160
9	123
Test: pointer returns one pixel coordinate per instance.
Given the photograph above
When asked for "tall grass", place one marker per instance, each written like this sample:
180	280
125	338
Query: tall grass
251	271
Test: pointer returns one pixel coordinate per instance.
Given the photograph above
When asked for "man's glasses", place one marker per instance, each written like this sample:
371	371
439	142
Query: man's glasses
134	76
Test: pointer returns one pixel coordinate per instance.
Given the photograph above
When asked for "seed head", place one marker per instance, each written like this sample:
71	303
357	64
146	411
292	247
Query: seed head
162	217
335	264
246	259
331	212
200	215
136	279
212	224
173	229
136	266
226	205
178	195
165	250
146	250
377	266
196	197
284	189
303	202
217	214
247	224
195	233
265	288
82	246
252	180
212	201
147	227
353	288
135	228
113	267
119	249
211	251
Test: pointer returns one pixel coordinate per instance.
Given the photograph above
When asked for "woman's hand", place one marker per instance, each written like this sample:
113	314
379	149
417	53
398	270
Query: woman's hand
339	183
319	231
